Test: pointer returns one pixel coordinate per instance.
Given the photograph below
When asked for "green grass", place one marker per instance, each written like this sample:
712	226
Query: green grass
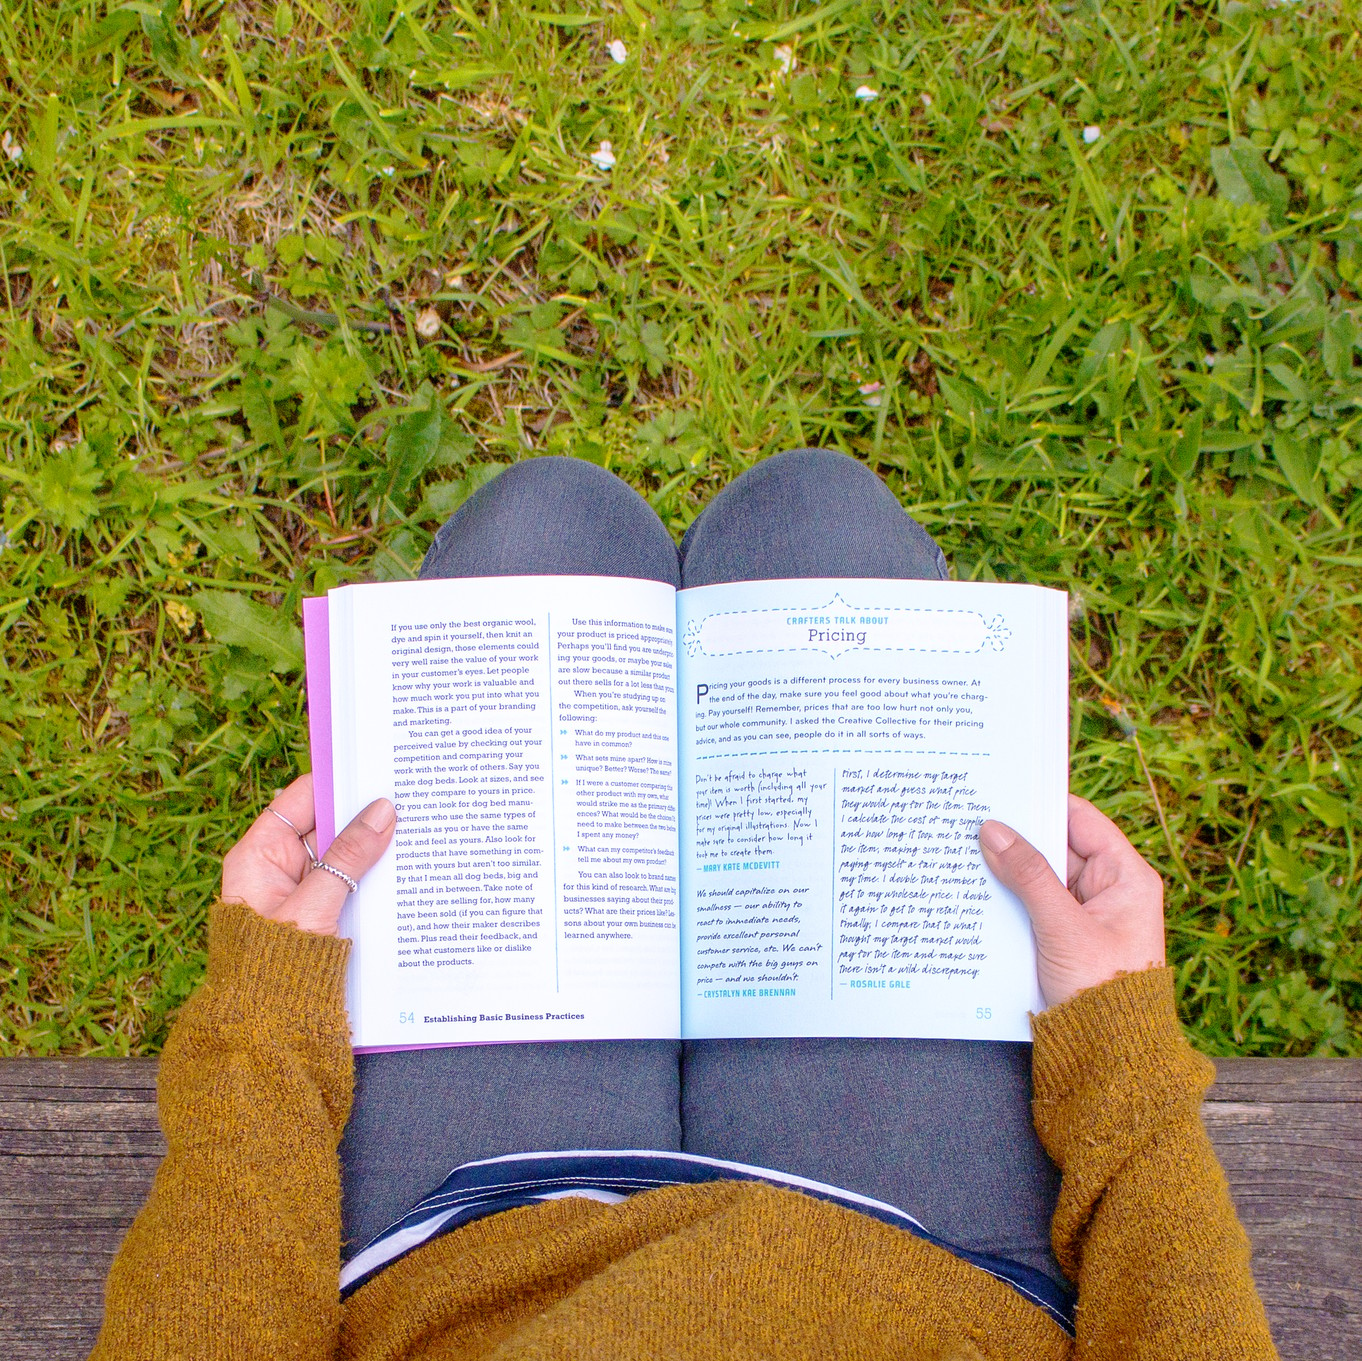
1127	366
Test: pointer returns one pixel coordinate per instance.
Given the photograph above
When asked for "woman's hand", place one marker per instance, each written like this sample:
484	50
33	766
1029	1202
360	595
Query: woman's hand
270	871
1108	921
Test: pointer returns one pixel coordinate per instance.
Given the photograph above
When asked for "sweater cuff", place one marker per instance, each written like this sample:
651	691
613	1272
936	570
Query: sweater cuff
1122	1028
274	968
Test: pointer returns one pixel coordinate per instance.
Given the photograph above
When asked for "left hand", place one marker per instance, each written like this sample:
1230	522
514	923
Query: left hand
270	871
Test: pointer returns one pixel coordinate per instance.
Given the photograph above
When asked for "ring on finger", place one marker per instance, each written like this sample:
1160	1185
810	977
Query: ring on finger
301	837
351	884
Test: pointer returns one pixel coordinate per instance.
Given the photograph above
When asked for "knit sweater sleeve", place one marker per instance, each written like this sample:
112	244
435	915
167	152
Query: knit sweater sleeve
1144	1224
237	1251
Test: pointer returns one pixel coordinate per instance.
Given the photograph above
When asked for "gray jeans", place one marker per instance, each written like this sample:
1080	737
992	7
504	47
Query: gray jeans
940	1128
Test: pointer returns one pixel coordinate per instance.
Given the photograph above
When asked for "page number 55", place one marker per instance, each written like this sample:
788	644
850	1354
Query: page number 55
983	1013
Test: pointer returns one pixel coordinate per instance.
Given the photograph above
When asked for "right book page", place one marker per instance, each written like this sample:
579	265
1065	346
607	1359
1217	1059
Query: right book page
841	742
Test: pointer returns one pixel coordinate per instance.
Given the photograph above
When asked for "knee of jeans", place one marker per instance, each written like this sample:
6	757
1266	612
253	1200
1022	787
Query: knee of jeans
840	475
540	489
584	508
830	468
818	478
549	479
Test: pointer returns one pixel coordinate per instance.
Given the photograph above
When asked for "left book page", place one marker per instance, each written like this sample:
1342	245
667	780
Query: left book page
525	728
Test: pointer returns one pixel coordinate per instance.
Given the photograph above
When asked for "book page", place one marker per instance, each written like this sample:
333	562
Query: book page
525	728
842	741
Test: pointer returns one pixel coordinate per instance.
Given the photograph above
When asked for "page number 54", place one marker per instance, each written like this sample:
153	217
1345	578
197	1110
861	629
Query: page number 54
406	1017
983	1013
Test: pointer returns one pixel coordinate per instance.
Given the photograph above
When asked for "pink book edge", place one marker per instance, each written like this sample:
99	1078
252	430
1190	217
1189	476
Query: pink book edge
317	673
317	652
316	646
317	657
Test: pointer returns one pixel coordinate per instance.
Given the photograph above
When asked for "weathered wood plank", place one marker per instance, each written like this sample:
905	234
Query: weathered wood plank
66	1201
85	1117
1289	1134
1292	1080
79	1145
58	1144
49	1079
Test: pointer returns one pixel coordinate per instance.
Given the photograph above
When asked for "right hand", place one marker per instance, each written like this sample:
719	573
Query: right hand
1107	921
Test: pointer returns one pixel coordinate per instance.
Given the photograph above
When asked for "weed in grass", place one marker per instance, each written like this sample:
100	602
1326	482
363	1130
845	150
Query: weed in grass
284	284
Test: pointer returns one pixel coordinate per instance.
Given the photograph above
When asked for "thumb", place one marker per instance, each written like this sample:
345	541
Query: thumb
1022	868
316	903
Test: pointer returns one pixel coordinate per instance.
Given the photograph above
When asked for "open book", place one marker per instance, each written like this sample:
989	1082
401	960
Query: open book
742	810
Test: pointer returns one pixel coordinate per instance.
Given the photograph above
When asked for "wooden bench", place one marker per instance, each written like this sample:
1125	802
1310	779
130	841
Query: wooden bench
79	1144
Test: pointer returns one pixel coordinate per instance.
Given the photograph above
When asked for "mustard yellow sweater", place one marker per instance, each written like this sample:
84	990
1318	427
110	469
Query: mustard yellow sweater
236	1253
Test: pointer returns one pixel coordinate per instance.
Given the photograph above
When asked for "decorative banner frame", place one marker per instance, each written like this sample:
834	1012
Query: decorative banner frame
840	626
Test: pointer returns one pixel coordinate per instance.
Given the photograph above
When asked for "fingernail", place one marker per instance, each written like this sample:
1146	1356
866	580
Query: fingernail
996	837
379	815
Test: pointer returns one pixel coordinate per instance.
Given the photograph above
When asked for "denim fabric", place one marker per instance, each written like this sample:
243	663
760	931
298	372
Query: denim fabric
807	513
421	1112
941	1129
554	517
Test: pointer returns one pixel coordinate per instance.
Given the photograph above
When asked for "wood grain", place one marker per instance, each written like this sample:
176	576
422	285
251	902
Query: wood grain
1289	1135
79	1145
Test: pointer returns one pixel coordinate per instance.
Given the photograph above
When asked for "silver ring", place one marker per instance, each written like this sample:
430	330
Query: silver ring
285	821
352	884
300	835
